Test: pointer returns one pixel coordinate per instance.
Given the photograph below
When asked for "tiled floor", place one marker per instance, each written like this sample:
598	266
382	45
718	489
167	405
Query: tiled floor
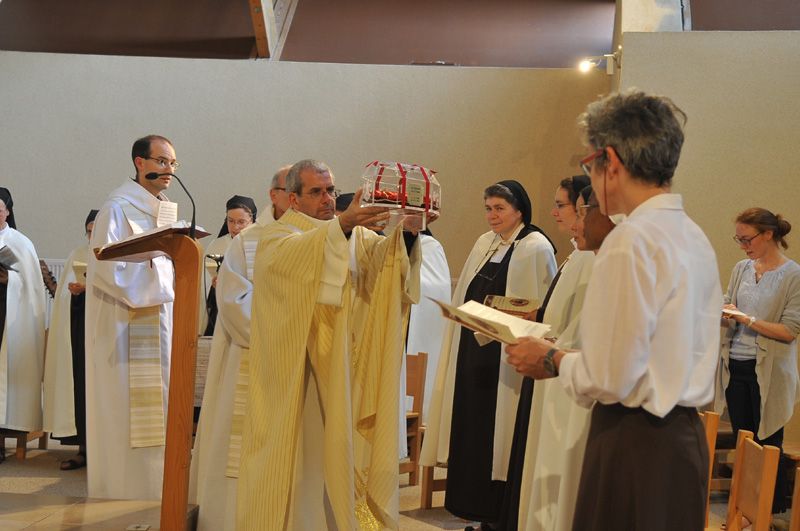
44	512
27	501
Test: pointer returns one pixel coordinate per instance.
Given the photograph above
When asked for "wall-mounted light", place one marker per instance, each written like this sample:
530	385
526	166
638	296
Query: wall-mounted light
611	60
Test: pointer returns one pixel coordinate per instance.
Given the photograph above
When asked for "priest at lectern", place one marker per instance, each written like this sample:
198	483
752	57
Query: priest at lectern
129	335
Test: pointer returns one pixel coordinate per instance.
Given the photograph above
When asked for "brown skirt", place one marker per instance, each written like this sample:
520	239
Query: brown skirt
642	472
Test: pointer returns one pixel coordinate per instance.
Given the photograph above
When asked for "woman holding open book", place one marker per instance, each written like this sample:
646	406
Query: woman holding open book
757	379
475	394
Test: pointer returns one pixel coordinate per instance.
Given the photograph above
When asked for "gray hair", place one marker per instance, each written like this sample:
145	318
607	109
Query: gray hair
503	192
643	129
275	182
293	182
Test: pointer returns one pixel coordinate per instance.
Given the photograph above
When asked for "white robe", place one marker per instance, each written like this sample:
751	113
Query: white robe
115	470
22	349
210	488
530	271
558	425
59	398
426	325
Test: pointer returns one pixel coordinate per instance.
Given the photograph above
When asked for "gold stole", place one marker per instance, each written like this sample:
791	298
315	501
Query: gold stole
250	243
145	382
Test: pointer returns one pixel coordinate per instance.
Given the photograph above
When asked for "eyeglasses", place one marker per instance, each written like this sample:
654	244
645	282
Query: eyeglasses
163	163
746	241
586	163
279	188
487	258
560	205
238	222
316	193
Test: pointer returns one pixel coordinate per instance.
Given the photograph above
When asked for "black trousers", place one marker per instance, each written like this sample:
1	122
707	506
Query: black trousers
642	472
743	396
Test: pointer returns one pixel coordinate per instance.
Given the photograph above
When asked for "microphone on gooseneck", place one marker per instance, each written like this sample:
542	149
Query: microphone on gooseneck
152	176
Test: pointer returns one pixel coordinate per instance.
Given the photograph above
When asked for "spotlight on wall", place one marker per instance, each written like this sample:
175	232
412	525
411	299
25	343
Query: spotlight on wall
611	60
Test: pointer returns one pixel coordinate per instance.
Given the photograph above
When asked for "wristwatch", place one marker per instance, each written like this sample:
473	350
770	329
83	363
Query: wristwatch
750	320
549	364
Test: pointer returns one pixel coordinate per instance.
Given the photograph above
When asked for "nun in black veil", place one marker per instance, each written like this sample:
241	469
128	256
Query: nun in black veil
240	213
475	397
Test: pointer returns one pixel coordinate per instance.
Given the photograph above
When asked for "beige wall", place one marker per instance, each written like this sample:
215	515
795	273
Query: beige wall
741	92
68	123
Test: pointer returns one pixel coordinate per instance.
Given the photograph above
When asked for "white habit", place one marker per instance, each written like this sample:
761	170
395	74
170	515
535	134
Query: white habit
426	325
22	349
115	469
558	425
59	398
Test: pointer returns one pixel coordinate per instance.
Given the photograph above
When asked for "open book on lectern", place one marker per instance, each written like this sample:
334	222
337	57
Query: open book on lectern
181	226
492	323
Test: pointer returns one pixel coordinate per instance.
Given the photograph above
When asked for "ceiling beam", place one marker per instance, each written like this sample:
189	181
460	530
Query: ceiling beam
261	14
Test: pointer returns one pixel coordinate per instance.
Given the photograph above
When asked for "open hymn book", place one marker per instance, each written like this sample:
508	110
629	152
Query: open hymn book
492	323
7	258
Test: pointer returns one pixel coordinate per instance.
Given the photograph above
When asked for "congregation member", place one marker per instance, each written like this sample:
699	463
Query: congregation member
758	380
129	336
217	446
22	306
330	339
65	362
571	284
558	425
240	213
475	394
649	329
278	197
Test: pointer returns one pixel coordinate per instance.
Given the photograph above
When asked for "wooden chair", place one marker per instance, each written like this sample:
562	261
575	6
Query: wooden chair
430	485
416	365
22	437
710	423
794	523
753	484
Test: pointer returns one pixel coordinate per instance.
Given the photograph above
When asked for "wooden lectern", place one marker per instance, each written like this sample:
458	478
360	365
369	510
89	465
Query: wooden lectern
186	256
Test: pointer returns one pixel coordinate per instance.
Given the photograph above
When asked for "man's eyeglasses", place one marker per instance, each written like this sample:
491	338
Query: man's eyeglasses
586	163
316	193
163	163
746	241
560	205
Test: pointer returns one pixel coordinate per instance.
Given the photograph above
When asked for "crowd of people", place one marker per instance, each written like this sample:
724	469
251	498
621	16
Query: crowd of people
313	310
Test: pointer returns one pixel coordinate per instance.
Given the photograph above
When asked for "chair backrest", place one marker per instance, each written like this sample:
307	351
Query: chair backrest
711	424
753	483
794	523
416	365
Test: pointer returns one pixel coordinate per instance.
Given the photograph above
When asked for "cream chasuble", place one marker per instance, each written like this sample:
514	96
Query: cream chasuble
558	425
125	461
59	398
320	436
22	348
